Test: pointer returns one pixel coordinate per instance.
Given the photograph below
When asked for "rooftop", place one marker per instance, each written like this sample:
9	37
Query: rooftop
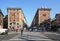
14	8
44	9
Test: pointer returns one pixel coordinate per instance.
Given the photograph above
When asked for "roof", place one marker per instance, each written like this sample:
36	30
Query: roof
48	9
14	8
54	19
57	14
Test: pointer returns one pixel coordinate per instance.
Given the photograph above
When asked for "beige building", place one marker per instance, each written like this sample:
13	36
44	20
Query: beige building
1	19
16	18
42	17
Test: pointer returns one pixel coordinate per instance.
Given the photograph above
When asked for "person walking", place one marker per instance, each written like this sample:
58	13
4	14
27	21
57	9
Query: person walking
21	32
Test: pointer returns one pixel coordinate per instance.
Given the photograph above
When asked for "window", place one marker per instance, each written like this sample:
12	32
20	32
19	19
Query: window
10	27
10	23
0	23
58	16
14	23
44	14
17	9
17	18
58	23
13	14
0	18
17	23
17	13
14	9
40	18
13	18
17	26
0	15
10	18
58	19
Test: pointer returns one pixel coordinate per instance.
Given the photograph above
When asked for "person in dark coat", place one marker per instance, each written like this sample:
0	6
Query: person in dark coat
21	32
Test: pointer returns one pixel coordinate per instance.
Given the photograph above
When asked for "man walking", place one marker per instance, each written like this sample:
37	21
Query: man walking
21	32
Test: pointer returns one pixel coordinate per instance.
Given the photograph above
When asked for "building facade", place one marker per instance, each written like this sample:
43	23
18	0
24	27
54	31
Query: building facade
53	25
42	17
58	21
1	19
16	18
5	21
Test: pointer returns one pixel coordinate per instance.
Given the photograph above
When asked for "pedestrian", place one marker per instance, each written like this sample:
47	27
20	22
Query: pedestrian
16	28
30	30
21	32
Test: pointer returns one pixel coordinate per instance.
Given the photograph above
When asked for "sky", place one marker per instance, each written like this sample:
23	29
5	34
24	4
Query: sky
30	7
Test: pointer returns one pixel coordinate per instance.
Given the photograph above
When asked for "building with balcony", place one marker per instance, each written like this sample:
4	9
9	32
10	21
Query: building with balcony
16	18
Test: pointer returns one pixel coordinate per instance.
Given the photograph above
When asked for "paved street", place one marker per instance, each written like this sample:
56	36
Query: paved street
53	36
6	37
30	36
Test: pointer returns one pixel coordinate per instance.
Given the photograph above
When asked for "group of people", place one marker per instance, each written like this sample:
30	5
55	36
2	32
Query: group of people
16	29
